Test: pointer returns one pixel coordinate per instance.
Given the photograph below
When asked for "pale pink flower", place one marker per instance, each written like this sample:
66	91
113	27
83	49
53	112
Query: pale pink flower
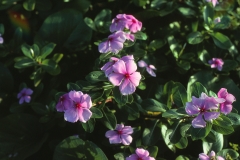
202	107
216	63
214	2
107	68
24	95
113	44
64	103
226	107
80	110
1	39
149	68
141	154
125	76
217	20
210	156
121	134
133	24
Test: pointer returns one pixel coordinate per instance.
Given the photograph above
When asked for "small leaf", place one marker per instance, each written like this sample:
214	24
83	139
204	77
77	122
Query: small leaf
96	113
27	51
195	37
140	35
24	62
96	76
47	49
89	125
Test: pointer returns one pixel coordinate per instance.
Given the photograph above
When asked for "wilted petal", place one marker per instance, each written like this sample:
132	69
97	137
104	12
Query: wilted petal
84	114
142	63
127	87
211	115
203	156
132	157
135	78
198	122
71	115
225	108
127	130
115	78
126	139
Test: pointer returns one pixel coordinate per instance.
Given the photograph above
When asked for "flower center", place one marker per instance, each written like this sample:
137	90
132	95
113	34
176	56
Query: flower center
78	105
202	110
62	99
127	75
119	132
140	159
134	21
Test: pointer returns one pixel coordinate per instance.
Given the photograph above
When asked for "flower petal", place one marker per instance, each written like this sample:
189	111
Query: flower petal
198	122
132	157
126	139
191	109
84	114
128	57
127	87
142	152
210	115
75	95
135	78
131	66
226	108
71	115
110	133
142	63
127	130
27	99
151	72
28	91
103	47
230	99
203	156
21	100
115	78
212	154
86	101
120	67
119	127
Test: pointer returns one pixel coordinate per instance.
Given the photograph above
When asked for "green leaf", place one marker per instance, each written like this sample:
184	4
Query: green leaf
153	151
234	118
96	113
172	113
224	23
24	62
120	156
74	148
73	86
157	44
108	119
89	22
2	29
57	57
27	51
216	146
179	95
47	49
140	3
183	142
49	65
29	5
195	37
208	14
151	133
119	98
196	89
89	125
221	40
165	136
181	157
174	46
39	108
103	20
199	133
22	134
6	80
96	76
187	11
140	35
223	125
230	153
153	105
229	65
38	76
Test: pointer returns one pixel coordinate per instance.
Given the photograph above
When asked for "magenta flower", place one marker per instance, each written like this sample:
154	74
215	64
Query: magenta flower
133	24
64	103
226	107
204	107
107	68
216	63
125	76
214	2
141	154
80	110
149	68
24	95
113	44
1	39
212	155
121	134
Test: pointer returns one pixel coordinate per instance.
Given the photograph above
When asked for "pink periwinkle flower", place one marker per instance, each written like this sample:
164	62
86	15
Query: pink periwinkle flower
64	103
24	95
107	68
141	154
80	110
203	106
149	68
125	76
123	21
226	107
216	63
1	39
214	2
113	44
210	156
121	134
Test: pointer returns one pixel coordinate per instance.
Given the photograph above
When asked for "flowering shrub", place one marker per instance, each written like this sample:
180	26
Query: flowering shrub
124	80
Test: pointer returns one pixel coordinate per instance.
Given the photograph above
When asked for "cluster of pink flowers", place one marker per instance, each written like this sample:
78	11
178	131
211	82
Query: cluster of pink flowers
208	107
210	156
122	28
25	95
76	106
216	63
122	72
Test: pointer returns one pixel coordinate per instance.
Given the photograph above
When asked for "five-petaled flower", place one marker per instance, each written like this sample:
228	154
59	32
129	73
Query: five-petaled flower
64	103
216	63
141	154
149	68
226	107
113	44
80	108
125	76
210	156
214	2
121	134
24	95
203	106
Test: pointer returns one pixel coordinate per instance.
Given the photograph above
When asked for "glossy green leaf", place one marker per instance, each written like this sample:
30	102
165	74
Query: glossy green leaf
27	51
196	89
89	125
96	76
234	118
24	62
73	86
47	49
49	65
119	98
153	105
165	136
140	35
156	44
108	119
183	143
199	133
216	146
229	65
208	14
29	5
151	133
228	153
223	125
195	37
96	113
221	40
89	22
103	20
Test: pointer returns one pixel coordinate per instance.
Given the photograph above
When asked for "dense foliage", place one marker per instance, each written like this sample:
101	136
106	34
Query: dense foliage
119	79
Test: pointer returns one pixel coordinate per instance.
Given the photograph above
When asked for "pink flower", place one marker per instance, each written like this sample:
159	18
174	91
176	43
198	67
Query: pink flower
212	155
202	107
107	68
1	39
141	154
24	95
113	44
64	103
226	107
214	2
121	134
125	76
217	20
80	110
216	63
123	21
149	68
